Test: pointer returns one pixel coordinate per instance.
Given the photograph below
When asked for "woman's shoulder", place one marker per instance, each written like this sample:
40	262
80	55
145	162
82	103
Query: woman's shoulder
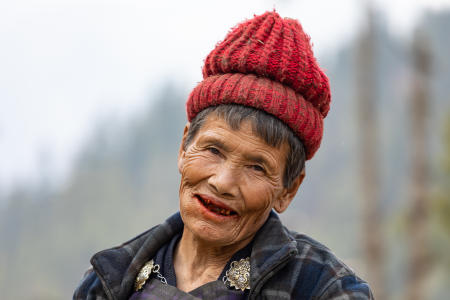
90	285
108	262
313	250
327	275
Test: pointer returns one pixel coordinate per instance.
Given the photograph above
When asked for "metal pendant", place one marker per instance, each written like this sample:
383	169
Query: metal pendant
143	275
238	275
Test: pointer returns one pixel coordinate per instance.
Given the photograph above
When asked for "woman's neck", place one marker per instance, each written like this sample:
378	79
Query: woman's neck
197	262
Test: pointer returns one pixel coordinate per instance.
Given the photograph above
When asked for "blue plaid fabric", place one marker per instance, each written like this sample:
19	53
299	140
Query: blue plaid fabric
284	265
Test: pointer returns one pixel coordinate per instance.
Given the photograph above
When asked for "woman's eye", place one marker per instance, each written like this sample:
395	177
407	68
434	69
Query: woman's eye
214	151
257	168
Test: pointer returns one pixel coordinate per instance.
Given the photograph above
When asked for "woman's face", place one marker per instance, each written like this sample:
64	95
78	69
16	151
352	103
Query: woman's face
230	181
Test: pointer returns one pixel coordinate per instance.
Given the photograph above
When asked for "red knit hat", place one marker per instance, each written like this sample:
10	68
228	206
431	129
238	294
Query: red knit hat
267	63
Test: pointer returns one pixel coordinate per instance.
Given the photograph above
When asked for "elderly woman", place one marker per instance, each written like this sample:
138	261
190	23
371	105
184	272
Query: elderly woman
254	120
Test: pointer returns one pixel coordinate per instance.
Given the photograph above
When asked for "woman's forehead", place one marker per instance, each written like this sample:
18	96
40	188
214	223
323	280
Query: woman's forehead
215	123
217	131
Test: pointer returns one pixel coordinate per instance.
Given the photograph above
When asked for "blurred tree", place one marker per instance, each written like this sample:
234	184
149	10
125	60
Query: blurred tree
419	177
366	79
440	219
123	182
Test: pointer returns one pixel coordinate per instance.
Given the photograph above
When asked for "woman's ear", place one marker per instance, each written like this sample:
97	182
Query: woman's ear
182	150
283	202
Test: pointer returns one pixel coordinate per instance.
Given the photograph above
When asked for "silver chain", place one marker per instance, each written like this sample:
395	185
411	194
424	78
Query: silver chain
158	274
240	270
163	279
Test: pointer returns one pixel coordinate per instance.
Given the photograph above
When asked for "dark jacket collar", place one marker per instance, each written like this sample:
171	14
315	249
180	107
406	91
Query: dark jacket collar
273	248
118	267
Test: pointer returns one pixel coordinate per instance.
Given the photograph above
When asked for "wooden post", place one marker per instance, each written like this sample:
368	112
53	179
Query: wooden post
419	210
372	240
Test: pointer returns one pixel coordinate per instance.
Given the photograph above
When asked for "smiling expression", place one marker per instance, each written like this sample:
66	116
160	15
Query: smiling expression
230	181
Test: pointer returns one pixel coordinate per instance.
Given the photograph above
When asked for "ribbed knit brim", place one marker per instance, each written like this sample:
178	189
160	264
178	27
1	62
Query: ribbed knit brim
264	94
267	63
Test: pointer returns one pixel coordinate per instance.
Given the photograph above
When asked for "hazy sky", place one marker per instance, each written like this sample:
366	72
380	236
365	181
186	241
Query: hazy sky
64	64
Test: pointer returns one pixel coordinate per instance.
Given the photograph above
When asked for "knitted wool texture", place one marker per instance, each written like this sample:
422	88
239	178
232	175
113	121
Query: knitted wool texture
267	63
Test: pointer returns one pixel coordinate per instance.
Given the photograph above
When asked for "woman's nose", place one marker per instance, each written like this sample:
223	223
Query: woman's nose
224	180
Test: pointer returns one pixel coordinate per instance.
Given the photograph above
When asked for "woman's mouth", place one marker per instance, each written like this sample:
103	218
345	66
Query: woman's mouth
215	207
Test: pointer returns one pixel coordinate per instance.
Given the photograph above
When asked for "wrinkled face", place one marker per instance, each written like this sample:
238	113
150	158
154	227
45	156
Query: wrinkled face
230	181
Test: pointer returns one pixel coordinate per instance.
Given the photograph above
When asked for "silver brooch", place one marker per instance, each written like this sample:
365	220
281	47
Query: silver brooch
238	275
145	272
143	275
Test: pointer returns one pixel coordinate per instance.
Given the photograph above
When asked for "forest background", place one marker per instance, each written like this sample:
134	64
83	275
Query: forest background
122	177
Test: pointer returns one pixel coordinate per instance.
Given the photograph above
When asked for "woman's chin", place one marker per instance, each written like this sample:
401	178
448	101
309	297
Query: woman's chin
211	233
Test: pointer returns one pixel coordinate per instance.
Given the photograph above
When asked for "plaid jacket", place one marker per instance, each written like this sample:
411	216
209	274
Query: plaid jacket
284	265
